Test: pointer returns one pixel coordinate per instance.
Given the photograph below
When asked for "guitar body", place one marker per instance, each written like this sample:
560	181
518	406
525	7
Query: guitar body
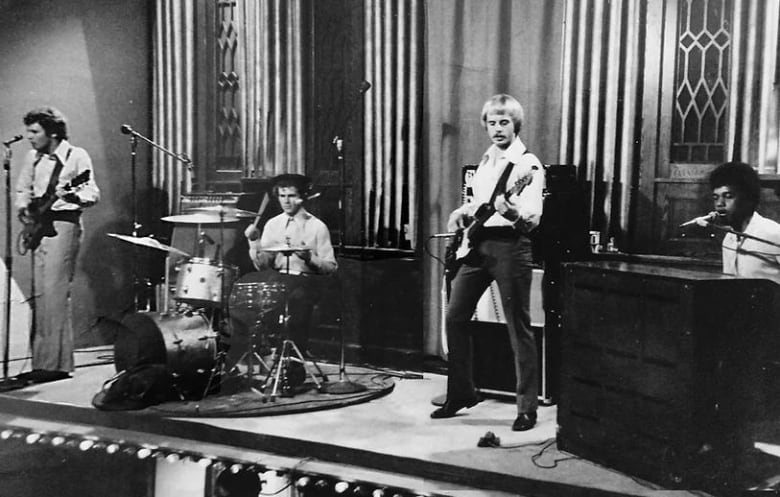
468	237
41	222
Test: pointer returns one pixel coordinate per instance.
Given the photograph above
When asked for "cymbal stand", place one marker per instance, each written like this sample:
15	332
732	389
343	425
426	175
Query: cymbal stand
289	351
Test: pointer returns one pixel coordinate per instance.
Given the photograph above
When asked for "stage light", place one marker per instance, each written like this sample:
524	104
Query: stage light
302	482
378	493
205	462
173	457
143	453
32	438
85	445
112	448
235	468
58	440
321	485
6	434
341	487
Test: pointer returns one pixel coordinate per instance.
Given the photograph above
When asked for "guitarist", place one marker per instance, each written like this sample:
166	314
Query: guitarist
500	250
46	169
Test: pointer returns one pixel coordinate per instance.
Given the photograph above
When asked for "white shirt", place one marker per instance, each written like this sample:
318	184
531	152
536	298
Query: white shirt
530	199
301	230
750	258
36	170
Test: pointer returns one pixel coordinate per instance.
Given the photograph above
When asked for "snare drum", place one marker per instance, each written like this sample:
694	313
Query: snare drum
203	282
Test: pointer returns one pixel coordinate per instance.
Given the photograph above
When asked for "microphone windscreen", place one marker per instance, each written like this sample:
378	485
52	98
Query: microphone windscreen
126	130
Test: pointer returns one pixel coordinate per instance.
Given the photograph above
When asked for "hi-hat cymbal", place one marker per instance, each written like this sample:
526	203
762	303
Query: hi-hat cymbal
200	218
146	241
224	210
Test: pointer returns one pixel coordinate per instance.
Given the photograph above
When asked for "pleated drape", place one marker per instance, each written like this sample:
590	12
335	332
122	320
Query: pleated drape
600	95
271	67
754	106
392	117
173	96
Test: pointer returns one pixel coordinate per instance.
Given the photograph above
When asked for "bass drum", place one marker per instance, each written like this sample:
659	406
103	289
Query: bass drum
185	343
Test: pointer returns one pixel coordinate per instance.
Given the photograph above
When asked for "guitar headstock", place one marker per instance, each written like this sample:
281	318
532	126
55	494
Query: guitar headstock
521	183
80	179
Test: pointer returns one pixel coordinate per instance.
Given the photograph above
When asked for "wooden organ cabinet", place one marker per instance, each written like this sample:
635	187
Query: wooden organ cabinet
666	370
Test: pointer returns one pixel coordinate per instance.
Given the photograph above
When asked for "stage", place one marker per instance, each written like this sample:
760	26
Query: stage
389	440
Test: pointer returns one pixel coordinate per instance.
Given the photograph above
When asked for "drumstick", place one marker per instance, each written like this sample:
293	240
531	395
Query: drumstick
260	211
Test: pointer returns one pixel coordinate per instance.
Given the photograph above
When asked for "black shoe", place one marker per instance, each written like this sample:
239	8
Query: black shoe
451	408
525	421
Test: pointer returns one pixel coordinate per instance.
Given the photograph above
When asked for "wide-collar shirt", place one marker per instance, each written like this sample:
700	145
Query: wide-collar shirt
36	170
750	258
301	230
526	166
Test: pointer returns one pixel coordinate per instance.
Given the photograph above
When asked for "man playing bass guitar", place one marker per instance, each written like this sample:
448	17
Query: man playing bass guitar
56	182
508	186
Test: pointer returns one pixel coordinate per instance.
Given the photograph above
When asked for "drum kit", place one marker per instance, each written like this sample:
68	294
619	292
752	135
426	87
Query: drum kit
208	297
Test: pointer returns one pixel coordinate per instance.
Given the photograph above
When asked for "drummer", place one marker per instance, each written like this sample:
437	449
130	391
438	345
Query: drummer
298	269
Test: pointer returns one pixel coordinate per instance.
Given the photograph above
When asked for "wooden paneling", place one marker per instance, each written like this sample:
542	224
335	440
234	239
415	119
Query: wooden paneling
664	369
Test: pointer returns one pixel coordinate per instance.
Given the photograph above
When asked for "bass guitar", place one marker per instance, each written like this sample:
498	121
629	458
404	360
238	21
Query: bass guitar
465	238
39	222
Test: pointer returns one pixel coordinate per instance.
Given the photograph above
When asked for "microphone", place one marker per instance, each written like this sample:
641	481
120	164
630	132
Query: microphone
364	87
12	140
709	217
443	235
126	129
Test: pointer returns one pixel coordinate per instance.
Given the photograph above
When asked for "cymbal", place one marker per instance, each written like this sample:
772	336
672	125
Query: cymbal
200	218
224	210
146	241
284	248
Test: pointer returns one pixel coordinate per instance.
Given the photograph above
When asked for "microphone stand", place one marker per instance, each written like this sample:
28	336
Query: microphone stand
182	157
7	383
344	385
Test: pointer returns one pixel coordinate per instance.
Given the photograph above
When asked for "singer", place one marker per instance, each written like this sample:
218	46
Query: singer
301	268
50	204
502	252
736	192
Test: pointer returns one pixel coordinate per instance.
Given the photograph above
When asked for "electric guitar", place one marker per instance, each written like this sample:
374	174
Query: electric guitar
465	238
40	223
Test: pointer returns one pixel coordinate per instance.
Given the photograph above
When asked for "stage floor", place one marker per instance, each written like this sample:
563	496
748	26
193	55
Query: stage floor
395	427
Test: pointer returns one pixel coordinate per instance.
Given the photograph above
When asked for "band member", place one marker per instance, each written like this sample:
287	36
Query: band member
51	170
299	269
500	251
736	191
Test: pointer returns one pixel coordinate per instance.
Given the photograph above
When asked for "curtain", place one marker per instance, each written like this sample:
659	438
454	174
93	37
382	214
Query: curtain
173	96
474	50
600	85
391	126
271	68
754	105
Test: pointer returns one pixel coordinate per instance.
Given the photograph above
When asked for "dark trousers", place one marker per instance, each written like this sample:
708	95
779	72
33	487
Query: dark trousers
508	262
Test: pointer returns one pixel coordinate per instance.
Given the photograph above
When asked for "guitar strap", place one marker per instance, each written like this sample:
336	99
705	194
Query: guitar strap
55	174
501	184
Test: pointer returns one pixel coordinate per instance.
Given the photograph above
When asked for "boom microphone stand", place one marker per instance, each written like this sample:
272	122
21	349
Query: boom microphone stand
183	158
8	383
344	385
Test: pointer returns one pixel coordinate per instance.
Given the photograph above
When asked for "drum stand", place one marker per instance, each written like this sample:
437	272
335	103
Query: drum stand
289	352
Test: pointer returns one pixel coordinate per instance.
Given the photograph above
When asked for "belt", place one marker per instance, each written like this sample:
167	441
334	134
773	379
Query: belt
499	233
70	216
